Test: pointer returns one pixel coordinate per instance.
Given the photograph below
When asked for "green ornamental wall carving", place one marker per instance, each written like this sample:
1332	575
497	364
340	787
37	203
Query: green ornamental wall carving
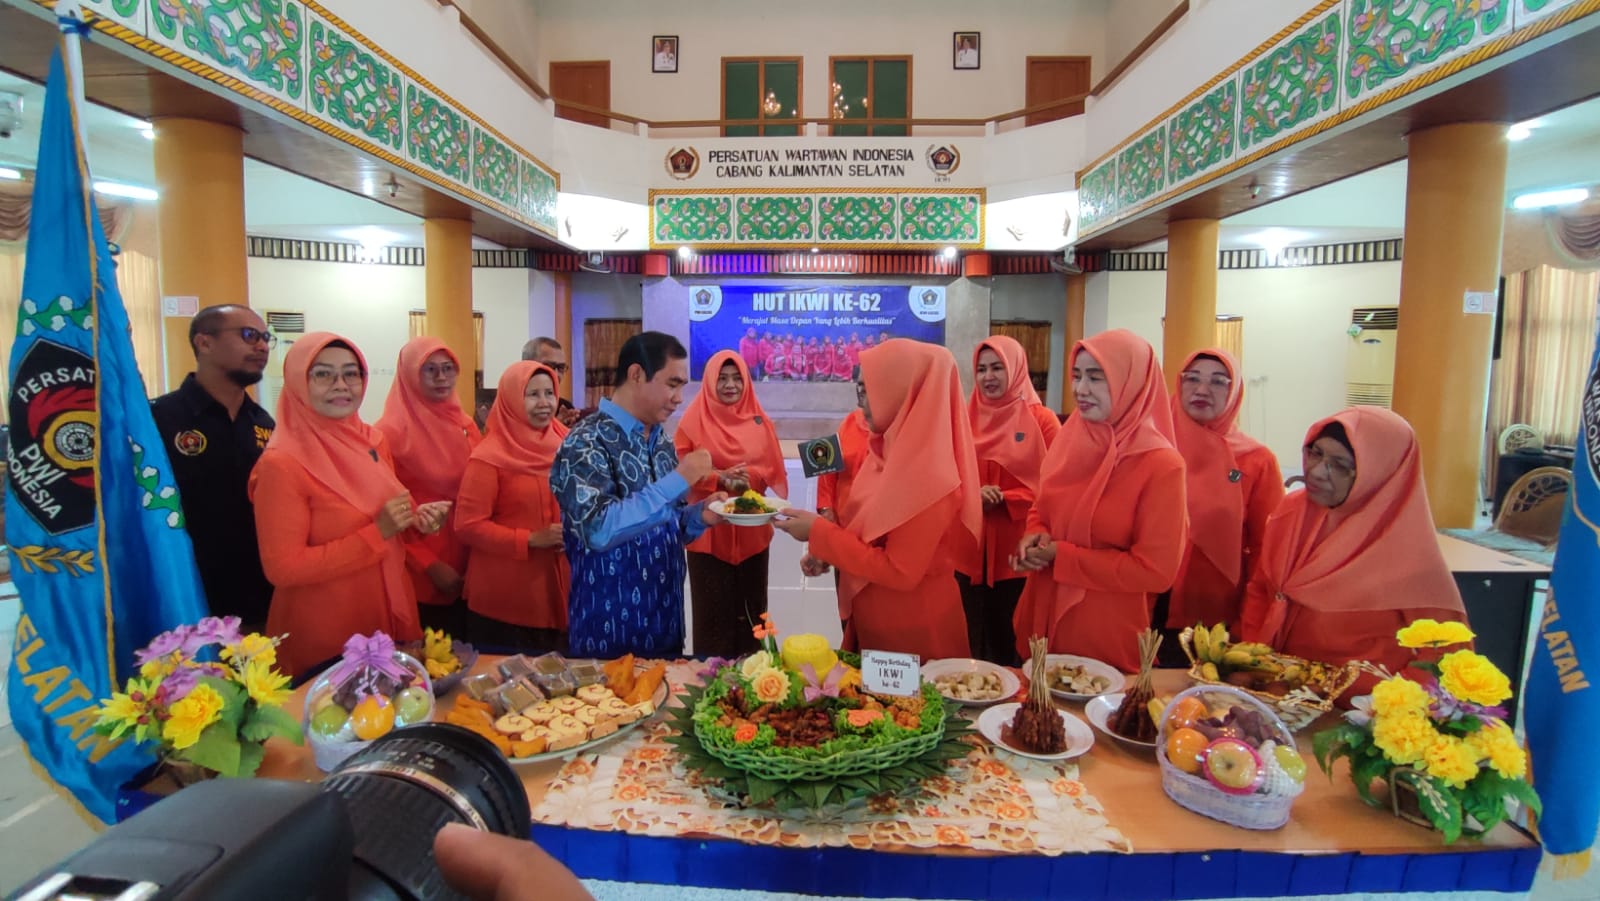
1390	39
437	137
1291	84
1141	168
904	218
864	218
353	88
260	41
775	218
1201	136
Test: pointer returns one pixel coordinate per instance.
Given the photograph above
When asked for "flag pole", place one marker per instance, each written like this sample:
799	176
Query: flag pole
69	18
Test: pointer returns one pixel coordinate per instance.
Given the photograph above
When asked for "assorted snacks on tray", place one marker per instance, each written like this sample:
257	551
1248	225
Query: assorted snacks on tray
1077	679
970	686
543	704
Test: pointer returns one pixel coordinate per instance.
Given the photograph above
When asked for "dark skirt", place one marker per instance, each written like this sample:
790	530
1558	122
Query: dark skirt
989	610
495	636
728	602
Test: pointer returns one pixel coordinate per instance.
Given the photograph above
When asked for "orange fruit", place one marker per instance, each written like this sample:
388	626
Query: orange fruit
373	717
1185	748
1185	712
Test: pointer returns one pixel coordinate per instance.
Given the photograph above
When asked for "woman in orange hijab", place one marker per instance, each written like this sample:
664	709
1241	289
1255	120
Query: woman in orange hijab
1354	557
507	514
1107	531
728	566
1233	486
1011	431
431	437
331	513
914	509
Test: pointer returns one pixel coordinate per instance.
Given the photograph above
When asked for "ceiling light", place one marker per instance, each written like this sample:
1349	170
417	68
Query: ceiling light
949	253
1563	197
149	134
113	189
10	174
1522	130
685	252
816	250
370	236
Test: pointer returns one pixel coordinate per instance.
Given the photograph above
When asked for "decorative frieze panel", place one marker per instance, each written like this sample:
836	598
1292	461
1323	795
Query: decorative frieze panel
1291	85
1392	41
353	88
260	42
1201	137
740	218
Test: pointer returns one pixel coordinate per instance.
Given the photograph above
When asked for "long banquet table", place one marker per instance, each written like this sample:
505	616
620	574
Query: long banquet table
1333	844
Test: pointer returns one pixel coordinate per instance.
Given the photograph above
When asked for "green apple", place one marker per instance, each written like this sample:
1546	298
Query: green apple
329	721
412	704
1293	764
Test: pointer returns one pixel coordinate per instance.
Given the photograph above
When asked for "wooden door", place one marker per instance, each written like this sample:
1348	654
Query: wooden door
588	83
1054	78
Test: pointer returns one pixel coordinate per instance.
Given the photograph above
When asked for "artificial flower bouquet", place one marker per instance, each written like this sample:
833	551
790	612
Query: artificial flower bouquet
1442	738
207	696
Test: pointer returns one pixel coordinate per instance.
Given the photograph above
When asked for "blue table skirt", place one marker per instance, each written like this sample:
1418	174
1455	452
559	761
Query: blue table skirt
618	856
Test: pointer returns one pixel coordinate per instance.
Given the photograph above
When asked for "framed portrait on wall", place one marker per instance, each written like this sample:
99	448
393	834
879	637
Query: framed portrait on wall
965	46
664	53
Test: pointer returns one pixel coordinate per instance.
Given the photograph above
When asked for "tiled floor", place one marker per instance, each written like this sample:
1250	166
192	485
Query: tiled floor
37	827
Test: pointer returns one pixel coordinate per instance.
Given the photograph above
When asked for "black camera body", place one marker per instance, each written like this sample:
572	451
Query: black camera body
365	833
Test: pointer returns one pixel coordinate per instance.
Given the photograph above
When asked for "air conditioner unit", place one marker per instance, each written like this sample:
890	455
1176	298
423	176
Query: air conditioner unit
288	326
1369	368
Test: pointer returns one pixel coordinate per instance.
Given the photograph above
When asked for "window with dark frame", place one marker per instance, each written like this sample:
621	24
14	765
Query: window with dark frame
763	89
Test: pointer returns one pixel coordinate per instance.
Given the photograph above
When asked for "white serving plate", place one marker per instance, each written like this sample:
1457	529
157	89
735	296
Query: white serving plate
1079	737
1009	683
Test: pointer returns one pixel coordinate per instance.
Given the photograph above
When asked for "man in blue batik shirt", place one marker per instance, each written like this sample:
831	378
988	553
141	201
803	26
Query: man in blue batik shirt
621	489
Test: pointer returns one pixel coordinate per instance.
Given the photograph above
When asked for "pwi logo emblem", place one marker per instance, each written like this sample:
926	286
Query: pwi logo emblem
944	160
682	163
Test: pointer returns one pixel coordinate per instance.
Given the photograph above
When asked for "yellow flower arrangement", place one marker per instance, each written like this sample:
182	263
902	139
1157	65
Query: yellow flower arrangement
1471	677
206	695
1428	633
190	716
1444	738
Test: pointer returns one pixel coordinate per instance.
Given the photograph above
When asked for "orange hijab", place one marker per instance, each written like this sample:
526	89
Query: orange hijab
1080	461
1375	551
1211	454
1005	430
431	440
921	446
341	455
740	432
512	443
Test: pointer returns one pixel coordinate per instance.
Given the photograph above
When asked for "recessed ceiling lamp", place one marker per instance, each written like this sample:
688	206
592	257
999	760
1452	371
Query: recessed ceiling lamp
949	253
1522	130
1564	197
685	252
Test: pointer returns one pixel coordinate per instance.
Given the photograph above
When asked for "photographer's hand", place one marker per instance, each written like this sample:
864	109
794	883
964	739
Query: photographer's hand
489	867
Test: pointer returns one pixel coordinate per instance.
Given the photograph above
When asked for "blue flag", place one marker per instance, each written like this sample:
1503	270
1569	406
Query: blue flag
1562	704
100	556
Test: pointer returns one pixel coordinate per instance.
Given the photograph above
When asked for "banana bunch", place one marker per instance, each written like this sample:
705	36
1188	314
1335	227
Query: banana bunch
1210	646
438	654
1218	656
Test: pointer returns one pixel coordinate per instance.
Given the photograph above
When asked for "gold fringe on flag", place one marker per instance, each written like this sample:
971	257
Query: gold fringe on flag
1569	866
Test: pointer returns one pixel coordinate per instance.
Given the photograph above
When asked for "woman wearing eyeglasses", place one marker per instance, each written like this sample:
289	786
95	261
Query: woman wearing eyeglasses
1011	431
728	566
506	512
1233	485
431	438
331	513
1354	557
1107	530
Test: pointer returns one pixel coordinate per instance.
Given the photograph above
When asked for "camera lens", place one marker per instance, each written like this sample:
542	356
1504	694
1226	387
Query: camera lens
406	786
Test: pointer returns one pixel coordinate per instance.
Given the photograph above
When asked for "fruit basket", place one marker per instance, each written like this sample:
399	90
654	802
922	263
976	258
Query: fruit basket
1298	690
372	690
447	660
1226	755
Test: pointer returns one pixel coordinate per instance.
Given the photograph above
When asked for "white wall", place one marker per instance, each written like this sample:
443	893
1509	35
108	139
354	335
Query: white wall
1294	335
428	37
1128	22
1041	297
371	305
620	30
1213	36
